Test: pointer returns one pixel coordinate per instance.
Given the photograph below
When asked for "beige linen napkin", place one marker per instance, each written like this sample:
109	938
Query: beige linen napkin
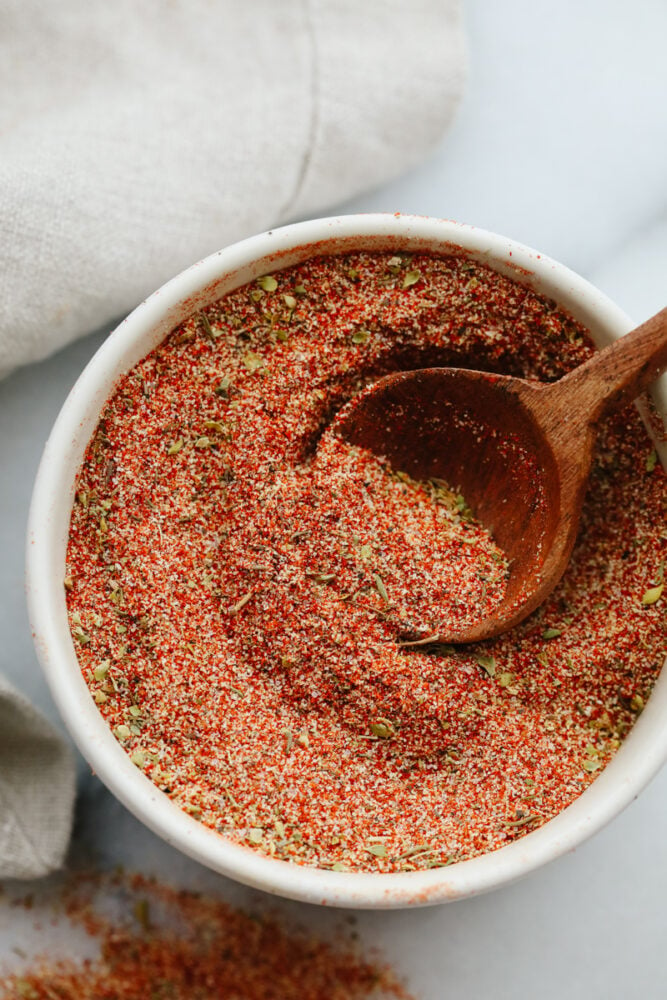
135	138
36	789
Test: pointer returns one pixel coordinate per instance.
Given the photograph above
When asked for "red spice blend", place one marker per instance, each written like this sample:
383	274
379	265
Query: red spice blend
238	579
182	946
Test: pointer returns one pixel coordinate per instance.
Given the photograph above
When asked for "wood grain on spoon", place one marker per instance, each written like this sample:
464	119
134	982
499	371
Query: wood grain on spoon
520	452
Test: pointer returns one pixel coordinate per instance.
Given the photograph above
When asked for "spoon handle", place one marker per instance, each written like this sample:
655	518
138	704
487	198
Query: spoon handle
619	373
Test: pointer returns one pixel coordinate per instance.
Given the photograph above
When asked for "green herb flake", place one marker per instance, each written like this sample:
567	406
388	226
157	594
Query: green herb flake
488	664
462	507
81	636
268	283
653	594
175	447
255	835
207	326
442	864
383	729
552	633
321	577
282	336
591	765
123	732
135	711
365	552
415	849
101	670
411	278
68	583
651	460
637	703
222	388
253	362
361	336
505	680
338	866
138	758
100	697
377	850
289	301
380	587
235	691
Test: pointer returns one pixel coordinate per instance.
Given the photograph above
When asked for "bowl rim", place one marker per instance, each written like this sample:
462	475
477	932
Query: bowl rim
636	762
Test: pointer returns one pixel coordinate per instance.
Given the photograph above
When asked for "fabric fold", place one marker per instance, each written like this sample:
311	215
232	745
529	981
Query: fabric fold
137	138
37	786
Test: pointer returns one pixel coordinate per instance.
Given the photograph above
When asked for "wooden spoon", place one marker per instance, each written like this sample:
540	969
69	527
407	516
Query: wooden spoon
519	452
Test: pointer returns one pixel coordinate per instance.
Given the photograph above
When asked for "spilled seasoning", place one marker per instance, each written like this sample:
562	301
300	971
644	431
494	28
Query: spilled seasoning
175	945
238	579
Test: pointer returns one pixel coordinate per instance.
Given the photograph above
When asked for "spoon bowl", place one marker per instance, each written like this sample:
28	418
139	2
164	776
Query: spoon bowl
519	452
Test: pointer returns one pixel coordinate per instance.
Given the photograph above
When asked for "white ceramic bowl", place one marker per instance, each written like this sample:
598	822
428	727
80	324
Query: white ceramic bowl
635	763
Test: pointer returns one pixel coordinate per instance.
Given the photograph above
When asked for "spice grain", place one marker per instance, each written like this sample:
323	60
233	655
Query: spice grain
167	944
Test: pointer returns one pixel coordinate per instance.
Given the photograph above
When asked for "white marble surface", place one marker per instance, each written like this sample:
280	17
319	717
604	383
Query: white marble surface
562	143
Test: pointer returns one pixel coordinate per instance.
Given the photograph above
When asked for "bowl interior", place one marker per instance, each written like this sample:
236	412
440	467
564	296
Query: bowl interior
635	763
